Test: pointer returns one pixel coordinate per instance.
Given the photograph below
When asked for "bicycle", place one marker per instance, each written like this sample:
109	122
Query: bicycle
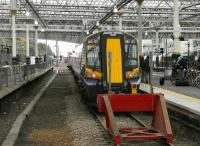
197	80
191	75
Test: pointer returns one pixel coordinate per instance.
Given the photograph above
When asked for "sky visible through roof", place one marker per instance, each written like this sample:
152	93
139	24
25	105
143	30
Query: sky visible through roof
64	47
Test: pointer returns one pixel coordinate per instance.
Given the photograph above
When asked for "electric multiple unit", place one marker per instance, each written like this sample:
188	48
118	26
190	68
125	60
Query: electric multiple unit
109	78
109	62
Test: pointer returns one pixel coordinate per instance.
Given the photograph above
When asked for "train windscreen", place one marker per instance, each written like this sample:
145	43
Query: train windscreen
130	54
92	56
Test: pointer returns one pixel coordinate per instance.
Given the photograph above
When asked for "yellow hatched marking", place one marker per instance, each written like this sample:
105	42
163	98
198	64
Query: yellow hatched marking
173	93
178	94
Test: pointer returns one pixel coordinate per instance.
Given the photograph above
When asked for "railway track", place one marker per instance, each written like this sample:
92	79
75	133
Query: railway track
134	120
145	125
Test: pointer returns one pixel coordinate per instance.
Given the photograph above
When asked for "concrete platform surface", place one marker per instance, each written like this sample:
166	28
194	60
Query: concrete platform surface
187	102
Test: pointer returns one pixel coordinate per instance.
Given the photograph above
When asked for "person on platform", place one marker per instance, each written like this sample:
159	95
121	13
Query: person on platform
157	62
198	63
146	69
141	67
198	59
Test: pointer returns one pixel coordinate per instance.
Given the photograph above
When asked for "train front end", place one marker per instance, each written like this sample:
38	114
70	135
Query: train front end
111	65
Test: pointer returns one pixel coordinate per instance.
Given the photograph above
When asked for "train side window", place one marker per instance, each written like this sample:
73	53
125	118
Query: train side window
92	58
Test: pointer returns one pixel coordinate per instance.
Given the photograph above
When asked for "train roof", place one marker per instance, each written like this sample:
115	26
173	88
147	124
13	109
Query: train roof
110	31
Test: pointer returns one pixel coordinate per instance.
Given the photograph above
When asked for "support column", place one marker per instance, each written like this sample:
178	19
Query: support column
151	69
14	51
46	51
120	13
176	30
120	23
57	49
157	41
36	42
27	42
36	46
139	26
57	53
166	52
13	11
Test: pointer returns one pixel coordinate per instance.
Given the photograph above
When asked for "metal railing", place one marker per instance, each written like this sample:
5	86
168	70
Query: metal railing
10	75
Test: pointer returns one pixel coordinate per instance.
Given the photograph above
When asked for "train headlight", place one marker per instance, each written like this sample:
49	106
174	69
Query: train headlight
92	74
89	75
133	74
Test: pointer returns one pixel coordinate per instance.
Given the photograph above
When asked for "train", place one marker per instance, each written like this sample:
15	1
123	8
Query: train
108	62
107	70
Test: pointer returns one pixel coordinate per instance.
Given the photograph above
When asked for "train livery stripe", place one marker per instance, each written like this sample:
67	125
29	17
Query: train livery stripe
113	45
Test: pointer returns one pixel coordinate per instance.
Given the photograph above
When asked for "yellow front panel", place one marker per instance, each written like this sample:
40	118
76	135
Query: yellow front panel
114	46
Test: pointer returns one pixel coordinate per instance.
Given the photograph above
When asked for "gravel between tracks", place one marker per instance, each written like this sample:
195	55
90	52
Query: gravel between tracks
60	119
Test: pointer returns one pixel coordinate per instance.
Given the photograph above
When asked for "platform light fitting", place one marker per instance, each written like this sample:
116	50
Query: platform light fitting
27	13
97	23
115	10
146	33
87	32
42	30
36	22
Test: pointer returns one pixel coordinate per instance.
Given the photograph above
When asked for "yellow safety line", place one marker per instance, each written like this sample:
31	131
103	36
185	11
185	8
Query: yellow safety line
176	93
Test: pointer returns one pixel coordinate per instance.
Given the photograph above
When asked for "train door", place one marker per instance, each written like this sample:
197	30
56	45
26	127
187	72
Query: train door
113	44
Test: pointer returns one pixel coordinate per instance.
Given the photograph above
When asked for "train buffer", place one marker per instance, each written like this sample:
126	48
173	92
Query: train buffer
153	103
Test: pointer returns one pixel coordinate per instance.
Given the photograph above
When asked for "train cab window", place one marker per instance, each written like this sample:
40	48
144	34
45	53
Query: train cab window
130	55
92	57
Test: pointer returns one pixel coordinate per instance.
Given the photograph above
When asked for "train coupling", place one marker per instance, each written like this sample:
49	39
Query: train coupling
153	103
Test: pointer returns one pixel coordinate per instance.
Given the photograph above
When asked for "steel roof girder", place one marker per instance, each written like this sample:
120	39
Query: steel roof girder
37	14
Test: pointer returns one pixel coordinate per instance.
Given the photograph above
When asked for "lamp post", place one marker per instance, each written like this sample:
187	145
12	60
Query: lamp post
36	40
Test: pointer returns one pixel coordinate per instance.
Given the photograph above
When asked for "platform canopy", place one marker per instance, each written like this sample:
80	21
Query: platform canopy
72	19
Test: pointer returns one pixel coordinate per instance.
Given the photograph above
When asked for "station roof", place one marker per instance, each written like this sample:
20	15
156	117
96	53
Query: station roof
79	16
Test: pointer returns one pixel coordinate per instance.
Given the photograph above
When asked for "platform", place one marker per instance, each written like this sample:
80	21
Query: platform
183	97
193	91
5	90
